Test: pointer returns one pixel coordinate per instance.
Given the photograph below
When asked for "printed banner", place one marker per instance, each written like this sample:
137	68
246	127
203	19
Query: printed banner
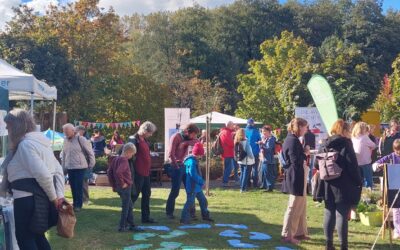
314	120
175	118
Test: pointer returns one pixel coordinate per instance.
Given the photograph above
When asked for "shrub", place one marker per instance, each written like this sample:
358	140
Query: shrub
101	164
216	168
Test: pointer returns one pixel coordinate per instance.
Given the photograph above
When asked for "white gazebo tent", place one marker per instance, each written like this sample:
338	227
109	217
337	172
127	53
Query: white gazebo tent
210	121
217	120
23	86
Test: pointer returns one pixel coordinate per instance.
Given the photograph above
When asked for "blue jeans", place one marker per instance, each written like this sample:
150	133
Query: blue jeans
190	200
367	175
127	207
177	176
272	173
254	171
229	164
76	177
244	176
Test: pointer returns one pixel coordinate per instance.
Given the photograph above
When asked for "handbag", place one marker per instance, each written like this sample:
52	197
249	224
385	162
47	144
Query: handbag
84	152
66	220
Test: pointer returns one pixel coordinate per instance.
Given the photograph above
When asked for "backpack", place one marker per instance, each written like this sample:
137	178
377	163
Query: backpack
328	168
240	152
216	147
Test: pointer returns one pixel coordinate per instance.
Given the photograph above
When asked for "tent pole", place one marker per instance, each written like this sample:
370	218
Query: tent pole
54	119
31	103
207	156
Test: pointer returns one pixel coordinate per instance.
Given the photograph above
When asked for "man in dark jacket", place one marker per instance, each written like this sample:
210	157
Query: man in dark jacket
386	142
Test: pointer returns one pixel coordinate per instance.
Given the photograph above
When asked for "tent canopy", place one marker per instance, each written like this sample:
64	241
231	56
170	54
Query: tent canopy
218	120
23	86
58	142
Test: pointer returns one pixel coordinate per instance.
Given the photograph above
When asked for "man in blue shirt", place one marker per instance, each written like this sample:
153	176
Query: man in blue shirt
269	170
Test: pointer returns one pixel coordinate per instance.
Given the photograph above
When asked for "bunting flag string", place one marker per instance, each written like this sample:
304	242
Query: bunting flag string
115	125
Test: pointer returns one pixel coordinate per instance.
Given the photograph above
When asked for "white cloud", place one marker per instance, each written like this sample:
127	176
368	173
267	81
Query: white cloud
128	7
41	5
122	7
6	12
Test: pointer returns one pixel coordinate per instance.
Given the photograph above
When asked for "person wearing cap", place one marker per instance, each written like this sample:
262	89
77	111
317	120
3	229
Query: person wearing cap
81	130
194	185
253	136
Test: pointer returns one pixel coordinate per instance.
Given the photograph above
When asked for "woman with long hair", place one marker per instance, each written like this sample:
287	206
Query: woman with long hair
295	184
35	178
243	148
363	147
344	192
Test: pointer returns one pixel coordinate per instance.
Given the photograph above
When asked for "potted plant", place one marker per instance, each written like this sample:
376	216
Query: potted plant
369	210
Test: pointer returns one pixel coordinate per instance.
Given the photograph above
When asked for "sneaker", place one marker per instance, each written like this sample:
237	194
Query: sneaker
290	240
185	222
134	228
123	230
208	219
77	209
149	221
170	216
225	185
302	237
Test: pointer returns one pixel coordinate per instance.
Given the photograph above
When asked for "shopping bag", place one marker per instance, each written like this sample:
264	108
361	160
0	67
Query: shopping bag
66	221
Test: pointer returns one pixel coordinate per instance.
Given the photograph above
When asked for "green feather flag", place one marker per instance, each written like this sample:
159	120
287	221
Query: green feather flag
322	95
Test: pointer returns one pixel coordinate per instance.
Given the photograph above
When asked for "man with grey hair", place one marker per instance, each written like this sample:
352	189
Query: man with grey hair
81	130
226	136
77	156
142	165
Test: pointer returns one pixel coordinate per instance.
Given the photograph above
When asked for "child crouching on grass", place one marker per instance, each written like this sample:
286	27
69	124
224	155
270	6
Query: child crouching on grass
393	158
194	185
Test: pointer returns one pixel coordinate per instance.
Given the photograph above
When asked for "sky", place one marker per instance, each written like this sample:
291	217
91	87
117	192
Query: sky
127	7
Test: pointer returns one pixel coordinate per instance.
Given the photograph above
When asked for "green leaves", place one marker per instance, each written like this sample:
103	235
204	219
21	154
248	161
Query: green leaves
278	82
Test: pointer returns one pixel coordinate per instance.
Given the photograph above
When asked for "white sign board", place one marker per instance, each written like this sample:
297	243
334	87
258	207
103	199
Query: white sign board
393	176
175	118
314	120
3	130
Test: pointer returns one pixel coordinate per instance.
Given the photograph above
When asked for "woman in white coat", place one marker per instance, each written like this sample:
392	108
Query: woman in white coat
35	178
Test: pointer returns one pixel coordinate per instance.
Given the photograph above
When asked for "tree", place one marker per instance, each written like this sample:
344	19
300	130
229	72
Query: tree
354	83
281	76
386	103
314	21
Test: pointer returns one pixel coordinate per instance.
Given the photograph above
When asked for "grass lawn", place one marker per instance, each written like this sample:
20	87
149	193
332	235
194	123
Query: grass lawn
261	212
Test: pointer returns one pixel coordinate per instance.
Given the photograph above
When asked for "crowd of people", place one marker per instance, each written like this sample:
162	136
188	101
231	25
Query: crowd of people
31	170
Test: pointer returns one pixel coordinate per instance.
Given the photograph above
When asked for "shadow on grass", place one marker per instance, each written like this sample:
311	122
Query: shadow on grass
97	223
97	229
